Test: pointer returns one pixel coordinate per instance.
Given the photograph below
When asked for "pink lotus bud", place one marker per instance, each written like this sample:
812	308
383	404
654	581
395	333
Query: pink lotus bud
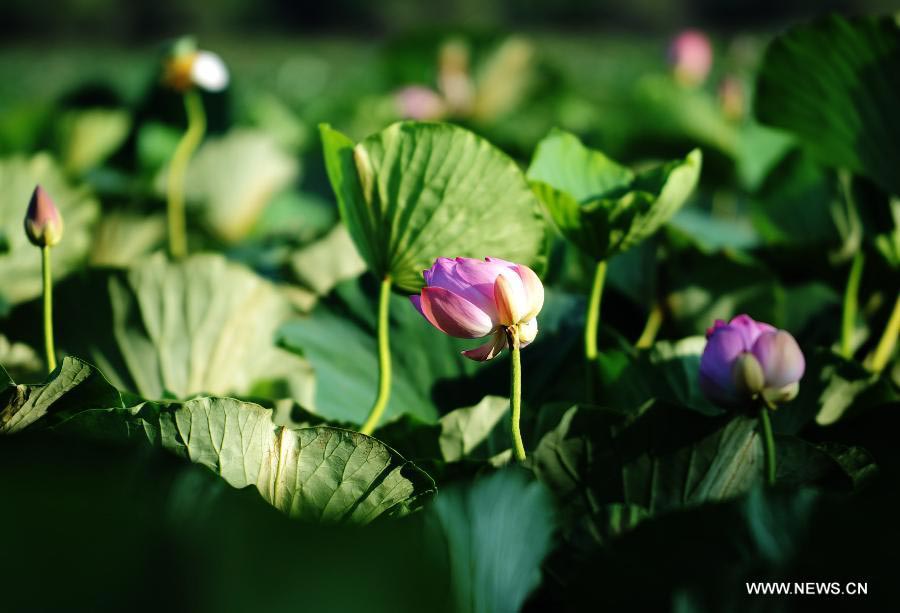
691	57
745	359
469	298
43	223
421	103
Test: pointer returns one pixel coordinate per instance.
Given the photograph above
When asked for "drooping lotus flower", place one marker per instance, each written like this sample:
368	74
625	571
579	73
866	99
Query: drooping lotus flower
189	67
746	359
470	298
43	223
691	55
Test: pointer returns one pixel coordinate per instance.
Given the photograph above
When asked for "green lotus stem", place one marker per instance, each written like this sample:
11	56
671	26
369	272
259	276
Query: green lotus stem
48	308
384	359
851	300
768	445
591	325
888	341
196	127
651	328
515	393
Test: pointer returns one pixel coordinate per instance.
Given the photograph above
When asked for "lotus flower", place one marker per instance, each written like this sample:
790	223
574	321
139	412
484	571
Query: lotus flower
691	57
188	67
43	223
746	361
470	298
421	103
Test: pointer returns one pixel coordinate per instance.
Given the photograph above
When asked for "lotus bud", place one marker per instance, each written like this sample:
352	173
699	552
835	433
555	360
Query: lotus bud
691	55
746	362
471	298
43	223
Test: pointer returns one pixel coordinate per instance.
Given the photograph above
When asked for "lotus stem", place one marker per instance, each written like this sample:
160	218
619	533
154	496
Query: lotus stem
515	393
591	325
768	445
888	341
196	127
384	359
851	301
48	308
651	328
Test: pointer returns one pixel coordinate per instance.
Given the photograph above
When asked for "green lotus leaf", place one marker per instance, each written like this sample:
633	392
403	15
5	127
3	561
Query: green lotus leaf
660	457
601	206
19	359
73	387
498	530
834	84
123	238
418	191
20	264
328	261
319	474
177	329
88	136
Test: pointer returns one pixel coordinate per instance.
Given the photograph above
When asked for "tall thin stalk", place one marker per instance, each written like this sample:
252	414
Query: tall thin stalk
768	445
48	308
888	341
591	326
515	392
384	359
196	127
851	302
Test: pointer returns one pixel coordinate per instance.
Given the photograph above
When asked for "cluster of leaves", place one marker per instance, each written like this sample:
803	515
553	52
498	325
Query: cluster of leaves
213	401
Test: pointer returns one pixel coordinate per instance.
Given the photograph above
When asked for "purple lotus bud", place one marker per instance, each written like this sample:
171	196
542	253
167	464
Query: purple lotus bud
745	361
469	298
43	223
691	55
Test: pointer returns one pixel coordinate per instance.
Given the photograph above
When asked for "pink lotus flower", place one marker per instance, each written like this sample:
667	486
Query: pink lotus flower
469	298
43	223
691	57
419	102
746	359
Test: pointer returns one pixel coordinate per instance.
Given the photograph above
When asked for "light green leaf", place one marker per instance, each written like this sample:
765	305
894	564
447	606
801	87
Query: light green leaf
319	474
328	261
498	531
20	265
201	326
834	84
418	191
88	136
465	430
121	238
601	206
74	386
19	360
